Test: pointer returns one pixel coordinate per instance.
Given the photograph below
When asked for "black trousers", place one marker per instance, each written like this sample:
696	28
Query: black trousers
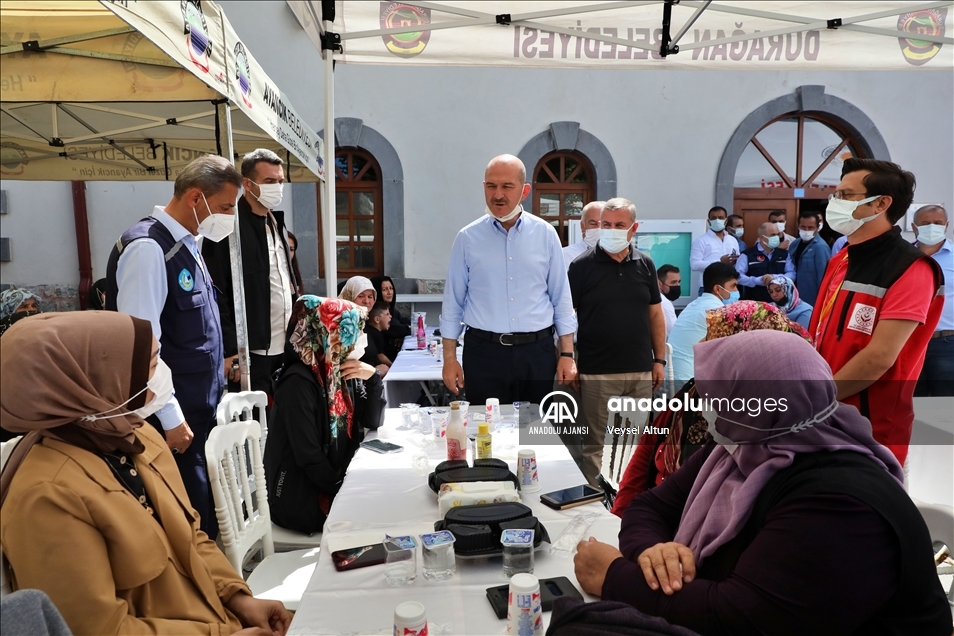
509	373
262	369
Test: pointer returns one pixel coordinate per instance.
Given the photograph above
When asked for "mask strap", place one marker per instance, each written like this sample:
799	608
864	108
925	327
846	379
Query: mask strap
101	415
798	427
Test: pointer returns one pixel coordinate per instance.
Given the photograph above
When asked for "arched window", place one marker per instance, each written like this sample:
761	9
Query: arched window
562	185
358	214
792	164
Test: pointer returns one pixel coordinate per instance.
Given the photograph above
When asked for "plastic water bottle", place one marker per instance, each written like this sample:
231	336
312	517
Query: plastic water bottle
456	434
421	334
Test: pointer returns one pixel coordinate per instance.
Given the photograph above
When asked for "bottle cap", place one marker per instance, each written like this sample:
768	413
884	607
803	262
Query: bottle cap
455	406
410	613
483	428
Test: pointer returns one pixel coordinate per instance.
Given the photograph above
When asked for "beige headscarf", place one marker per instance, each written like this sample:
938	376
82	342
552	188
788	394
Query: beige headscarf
59	367
354	286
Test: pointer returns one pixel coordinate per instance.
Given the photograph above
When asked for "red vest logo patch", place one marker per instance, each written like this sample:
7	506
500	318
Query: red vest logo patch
863	318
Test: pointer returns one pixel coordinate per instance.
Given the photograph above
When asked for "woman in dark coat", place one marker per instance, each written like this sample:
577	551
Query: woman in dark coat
401	326
324	399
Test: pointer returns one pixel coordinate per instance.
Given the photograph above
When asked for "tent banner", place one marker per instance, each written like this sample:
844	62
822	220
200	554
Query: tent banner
260	99
189	32
129	68
128	160
794	35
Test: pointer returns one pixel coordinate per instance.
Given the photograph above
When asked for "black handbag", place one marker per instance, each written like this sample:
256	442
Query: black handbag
477	529
457	471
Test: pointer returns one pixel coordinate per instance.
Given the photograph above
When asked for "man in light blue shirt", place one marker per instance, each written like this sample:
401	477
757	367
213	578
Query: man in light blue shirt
759	264
720	286
930	225
507	284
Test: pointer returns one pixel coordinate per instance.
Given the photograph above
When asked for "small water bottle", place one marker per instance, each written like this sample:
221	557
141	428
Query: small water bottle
421	334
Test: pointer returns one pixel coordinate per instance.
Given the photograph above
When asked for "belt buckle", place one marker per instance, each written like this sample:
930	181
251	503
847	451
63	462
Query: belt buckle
500	339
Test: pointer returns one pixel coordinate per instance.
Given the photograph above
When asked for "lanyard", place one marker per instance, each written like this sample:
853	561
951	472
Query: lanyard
829	304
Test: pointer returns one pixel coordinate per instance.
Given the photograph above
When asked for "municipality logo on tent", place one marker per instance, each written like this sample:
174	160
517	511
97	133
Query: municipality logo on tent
926	22
243	73
396	15
199	44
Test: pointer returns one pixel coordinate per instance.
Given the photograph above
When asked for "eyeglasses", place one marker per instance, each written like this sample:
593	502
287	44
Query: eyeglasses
842	195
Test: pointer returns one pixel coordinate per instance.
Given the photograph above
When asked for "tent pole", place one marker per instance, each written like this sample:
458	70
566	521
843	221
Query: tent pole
328	201
224	115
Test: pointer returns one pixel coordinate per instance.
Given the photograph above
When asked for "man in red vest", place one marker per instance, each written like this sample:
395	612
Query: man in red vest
878	303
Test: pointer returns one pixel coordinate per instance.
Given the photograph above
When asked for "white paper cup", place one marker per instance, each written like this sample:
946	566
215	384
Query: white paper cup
527	474
410	619
524	607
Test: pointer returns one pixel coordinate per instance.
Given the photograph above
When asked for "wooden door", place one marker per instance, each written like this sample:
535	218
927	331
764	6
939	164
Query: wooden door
755	206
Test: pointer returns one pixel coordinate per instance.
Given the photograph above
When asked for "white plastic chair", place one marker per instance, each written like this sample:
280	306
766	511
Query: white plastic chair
6	448
239	406
244	519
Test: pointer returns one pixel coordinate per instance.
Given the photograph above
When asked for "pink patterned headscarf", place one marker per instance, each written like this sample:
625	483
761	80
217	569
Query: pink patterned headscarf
759	365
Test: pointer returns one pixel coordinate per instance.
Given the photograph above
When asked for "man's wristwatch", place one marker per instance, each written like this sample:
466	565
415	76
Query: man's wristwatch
566	354
658	361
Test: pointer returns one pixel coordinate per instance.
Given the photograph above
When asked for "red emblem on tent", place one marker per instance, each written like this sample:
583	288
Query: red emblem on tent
926	22
396	15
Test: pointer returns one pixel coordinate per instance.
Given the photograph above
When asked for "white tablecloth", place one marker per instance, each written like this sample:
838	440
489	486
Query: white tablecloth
411	367
386	494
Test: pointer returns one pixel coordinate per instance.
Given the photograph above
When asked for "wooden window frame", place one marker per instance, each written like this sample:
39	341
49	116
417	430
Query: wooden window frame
562	186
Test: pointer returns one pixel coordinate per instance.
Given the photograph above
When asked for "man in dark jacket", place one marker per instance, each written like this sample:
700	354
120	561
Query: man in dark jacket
269	280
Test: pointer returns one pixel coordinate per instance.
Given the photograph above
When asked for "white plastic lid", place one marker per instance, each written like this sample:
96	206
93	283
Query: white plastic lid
526	452
493	402
410	613
523	584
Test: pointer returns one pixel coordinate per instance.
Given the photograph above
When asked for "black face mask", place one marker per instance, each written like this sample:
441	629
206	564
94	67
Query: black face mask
675	291
782	301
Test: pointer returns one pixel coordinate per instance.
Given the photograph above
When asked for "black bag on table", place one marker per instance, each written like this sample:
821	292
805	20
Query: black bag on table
458	471
573	617
477	529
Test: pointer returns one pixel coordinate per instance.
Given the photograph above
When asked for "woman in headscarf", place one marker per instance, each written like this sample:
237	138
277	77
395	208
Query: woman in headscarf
360	291
324	400
785	296
795	522
94	512
400	326
16	304
292	249
657	456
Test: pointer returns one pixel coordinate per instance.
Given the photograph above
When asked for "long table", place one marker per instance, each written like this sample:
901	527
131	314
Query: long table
412	370
387	494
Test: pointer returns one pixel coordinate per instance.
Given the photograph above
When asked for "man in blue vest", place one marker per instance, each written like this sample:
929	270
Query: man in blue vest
759	264
155	272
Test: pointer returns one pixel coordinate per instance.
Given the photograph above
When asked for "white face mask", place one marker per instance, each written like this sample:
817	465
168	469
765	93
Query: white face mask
216	226
780	225
717	225
738	232
614	241
806	235
839	214
359	347
710	417
269	194
930	234
592	237
503	219
160	384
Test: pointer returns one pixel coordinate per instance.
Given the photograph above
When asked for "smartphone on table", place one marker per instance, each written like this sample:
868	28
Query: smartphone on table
571	497
379	446
354	558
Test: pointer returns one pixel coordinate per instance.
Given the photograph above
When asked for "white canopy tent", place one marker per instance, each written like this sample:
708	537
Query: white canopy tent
643	34
135	91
